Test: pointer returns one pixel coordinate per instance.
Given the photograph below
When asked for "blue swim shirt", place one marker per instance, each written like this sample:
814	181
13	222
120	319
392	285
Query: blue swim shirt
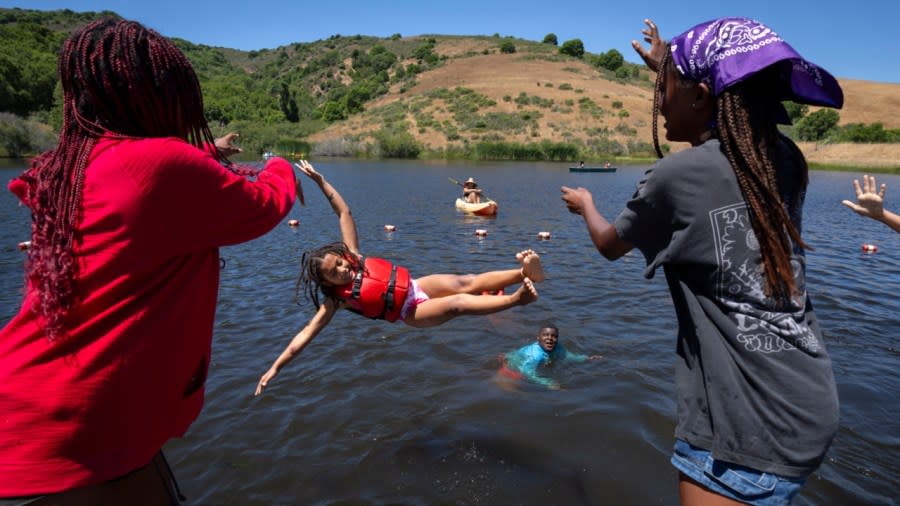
527	359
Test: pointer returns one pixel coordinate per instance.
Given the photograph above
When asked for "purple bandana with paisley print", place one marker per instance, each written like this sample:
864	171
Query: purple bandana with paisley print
725	51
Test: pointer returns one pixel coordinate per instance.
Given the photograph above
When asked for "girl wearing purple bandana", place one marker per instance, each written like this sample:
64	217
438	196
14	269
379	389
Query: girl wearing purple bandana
757	402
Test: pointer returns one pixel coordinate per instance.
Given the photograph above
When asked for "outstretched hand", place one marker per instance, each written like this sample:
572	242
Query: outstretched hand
264	381
225	144
868	202
576	199
307	168
654	54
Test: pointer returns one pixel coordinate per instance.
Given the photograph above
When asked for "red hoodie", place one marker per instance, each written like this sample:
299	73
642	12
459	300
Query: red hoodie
129	375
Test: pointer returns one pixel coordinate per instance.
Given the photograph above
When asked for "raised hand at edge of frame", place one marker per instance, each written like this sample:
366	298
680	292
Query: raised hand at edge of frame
654	55
868	202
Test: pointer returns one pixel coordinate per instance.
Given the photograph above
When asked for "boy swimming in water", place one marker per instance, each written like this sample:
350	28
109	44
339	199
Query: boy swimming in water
524	362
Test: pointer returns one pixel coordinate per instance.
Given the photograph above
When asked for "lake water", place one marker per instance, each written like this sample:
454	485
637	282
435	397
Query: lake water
378	413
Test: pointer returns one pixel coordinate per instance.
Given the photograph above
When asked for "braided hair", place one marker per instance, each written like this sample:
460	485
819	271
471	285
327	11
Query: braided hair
311	280
746	125
118	79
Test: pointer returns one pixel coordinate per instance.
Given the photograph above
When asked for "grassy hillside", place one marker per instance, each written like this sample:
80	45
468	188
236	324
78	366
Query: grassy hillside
423	95
532	95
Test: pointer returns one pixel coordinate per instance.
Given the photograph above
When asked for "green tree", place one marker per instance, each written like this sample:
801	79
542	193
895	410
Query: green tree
332	111
288	104
397	144
610	60
573	47
14	138
816	125
794	110
863	133
507	47
550	38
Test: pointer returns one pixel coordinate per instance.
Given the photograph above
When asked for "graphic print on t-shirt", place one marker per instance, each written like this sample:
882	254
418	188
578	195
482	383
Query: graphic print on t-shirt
740	288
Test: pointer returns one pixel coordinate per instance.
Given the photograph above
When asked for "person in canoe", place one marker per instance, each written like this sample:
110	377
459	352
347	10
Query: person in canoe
378	289
471	191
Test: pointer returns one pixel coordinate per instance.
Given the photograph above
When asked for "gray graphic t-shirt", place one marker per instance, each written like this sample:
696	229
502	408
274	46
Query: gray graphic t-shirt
753	380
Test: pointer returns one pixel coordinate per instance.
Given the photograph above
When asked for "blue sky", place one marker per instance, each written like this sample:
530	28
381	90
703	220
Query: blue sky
851	39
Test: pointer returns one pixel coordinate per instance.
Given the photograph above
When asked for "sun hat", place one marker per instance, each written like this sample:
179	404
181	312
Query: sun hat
725	51
471	180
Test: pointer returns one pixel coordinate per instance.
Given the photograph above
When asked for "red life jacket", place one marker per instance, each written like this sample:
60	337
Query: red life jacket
378	290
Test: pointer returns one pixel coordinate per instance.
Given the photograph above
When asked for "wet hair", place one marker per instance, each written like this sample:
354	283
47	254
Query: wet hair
119	79
746	124
549	325
311	281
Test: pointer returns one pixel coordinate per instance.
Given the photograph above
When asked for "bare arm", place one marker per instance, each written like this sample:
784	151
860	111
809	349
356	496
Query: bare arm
299	342
340	207
603	233
892	220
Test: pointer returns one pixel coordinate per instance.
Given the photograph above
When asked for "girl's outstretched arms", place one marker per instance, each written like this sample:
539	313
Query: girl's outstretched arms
340	207
319	321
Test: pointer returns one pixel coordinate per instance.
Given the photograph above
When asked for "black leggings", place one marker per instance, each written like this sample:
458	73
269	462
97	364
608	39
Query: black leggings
151	485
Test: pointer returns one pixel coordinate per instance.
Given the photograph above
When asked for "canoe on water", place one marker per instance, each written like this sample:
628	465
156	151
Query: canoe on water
592	169
486	208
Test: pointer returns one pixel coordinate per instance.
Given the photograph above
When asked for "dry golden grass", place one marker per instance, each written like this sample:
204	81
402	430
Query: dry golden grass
499	75
853	155
870	102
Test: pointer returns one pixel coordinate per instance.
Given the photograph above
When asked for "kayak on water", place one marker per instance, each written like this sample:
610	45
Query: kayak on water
487	208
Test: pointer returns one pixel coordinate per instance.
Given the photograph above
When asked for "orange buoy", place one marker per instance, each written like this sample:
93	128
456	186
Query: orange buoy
481	232
543	235
24	245
869	248
293	223
390	228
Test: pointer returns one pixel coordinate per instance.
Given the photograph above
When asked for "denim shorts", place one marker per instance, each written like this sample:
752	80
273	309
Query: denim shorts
736	482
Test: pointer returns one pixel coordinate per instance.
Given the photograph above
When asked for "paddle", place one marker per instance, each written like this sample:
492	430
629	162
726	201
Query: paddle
485	197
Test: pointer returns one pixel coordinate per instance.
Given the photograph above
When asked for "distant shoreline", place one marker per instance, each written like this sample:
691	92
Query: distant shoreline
874	158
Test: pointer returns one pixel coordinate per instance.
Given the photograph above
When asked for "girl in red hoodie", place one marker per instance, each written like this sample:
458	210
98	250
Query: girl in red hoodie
107	357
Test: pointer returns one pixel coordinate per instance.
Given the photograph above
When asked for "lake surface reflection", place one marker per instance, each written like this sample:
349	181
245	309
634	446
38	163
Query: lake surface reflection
377	413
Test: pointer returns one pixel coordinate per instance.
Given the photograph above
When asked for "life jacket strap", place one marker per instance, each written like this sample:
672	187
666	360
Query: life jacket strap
389	293
357	279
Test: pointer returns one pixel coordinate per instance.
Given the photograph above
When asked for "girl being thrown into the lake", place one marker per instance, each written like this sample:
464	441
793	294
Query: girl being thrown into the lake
378	289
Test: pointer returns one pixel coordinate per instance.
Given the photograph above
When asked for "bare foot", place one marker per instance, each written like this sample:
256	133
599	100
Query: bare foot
531	265
526	294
